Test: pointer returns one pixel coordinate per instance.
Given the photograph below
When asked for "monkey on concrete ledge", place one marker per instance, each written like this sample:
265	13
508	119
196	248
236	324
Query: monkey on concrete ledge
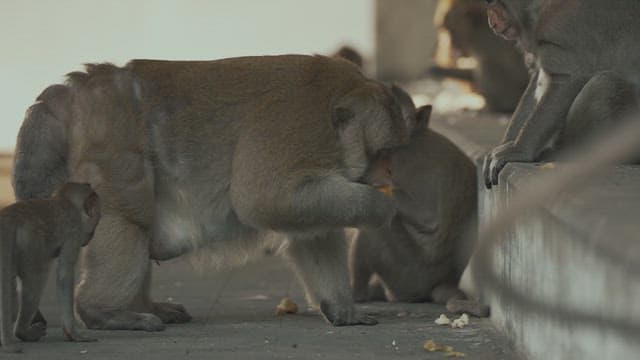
584	57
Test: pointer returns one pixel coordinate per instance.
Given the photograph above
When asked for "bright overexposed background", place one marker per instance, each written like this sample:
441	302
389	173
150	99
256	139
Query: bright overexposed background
41	40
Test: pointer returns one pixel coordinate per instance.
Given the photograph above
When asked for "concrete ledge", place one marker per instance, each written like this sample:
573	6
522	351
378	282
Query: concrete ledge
564	282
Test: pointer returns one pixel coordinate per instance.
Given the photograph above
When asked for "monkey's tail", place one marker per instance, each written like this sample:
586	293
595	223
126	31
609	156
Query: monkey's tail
7	281
41	153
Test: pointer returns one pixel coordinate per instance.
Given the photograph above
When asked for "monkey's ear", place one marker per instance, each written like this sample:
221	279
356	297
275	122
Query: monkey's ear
423	114
404	99
92	205
340	116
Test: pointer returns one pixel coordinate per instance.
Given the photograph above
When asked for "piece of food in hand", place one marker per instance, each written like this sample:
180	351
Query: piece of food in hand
286	306
387	190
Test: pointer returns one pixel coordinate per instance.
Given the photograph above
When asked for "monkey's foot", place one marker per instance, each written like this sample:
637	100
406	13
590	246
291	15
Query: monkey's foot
39	320
120	320
75	337
344	316
171	313
12	348
471	307
33	333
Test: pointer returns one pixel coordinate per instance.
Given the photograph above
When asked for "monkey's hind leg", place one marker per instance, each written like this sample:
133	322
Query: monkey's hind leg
113	272
361	272
603	102
366	285
169	313
33	281
320	261
7	297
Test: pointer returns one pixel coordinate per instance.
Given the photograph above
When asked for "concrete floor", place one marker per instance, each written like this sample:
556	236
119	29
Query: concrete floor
234	317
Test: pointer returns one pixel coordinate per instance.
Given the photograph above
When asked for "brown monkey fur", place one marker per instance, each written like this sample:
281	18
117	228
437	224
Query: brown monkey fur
421	254
219	155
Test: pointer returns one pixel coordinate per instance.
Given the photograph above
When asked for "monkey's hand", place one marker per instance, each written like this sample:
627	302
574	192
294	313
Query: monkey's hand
496	160
339	315
72	335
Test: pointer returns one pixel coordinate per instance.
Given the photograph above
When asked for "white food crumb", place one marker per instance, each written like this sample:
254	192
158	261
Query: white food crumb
443	320
460	322
457	323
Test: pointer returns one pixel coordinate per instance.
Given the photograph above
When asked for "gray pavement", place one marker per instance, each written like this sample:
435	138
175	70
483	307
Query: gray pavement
234	318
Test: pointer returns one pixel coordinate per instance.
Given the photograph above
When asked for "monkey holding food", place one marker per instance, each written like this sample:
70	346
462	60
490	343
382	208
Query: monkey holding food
421	254
32	234
216	155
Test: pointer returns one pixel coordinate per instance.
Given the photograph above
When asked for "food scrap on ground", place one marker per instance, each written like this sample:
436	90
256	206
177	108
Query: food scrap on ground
443	320
460	322
433	346
286	306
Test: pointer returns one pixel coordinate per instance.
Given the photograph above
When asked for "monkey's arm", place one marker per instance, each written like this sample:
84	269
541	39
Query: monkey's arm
523	111
320	203
64	288
545	121
525	107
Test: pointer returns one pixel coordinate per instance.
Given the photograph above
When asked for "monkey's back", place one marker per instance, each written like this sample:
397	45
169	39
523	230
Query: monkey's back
247	96
441	181
175	125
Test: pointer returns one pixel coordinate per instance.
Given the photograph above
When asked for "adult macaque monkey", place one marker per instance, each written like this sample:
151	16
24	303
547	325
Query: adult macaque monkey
32	234
584	57
217	154
421	254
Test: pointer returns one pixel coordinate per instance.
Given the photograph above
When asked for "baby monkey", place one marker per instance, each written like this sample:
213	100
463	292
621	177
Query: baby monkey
32	234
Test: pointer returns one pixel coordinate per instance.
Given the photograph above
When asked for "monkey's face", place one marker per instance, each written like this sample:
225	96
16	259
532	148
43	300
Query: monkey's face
370	121
503	19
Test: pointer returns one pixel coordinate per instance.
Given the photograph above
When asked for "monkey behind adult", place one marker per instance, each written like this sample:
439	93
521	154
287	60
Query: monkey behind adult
32	234
420	256
584	58
350	54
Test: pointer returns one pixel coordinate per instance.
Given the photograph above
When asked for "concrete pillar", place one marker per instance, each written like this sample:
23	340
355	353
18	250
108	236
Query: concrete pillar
405	38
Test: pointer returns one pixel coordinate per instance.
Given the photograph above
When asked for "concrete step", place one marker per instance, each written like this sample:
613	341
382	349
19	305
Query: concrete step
564	281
